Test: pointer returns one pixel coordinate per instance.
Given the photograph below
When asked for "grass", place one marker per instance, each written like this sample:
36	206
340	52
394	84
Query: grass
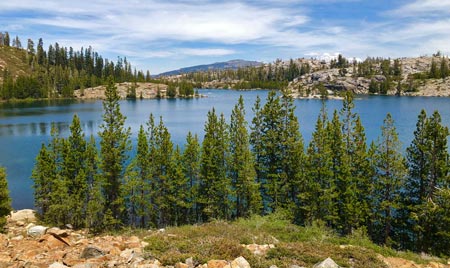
294	245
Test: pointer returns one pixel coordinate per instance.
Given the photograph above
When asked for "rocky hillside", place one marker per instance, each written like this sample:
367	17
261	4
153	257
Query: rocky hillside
142	90
339	79
14	60
28	244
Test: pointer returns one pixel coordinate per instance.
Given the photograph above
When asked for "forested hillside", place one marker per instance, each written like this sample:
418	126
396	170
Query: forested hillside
30	70
337	180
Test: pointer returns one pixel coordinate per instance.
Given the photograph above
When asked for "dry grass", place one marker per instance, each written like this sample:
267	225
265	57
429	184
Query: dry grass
221	240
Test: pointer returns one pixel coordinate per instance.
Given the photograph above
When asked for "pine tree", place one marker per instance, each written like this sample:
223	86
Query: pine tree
73	172
95	200
340	171
319	195
114	146
6	40
428	169
162	157
444	68
257	146
293	157
58	209
389	178
241	168
152	167
136	188
5	200
191	167
270	152
352	188
50	191
215	186
178	194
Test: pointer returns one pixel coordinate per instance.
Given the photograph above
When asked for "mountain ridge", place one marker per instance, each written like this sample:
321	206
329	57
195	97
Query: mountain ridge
231	64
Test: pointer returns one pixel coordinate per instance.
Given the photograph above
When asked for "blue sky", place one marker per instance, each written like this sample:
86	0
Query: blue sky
165	35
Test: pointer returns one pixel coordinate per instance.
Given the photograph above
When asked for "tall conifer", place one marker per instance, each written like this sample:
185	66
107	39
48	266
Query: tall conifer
114	146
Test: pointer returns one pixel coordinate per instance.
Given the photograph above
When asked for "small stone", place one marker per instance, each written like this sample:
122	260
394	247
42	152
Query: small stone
17	238
57	265
91	252
217	263
240	262
58	232
273	266
296	266
37	231
190	262
327	263
181	265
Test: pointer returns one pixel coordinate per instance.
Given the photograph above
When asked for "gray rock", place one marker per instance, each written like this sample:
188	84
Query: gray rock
91	252
190	262
273	266
327	263
296	266
37	231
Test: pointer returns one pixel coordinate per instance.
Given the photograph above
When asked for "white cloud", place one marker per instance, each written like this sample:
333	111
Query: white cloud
206	51
423	7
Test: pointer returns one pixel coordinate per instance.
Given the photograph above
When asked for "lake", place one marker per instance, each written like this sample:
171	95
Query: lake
25	126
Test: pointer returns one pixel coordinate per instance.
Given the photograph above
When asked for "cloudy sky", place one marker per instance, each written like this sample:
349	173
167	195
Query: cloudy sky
164	35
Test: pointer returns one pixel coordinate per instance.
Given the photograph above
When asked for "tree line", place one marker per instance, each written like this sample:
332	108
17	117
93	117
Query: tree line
337	180
58	71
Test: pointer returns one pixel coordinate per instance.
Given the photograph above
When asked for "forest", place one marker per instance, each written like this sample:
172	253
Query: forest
58	71
239	169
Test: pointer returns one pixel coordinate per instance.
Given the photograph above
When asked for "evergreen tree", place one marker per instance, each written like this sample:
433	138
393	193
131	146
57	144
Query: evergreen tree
293	157
5	200
257	146
95	202
58	209
388	180
434	70
162	157
270	154
137	186
352	188
428	168
241	168
191	165
178	193
6	40
114	146
215	185
319	195
46	179
73	172
340	171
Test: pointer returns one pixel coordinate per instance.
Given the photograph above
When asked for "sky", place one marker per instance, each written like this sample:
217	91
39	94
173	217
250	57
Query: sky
160	35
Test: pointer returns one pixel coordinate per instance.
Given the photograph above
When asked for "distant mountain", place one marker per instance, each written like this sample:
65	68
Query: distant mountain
232	64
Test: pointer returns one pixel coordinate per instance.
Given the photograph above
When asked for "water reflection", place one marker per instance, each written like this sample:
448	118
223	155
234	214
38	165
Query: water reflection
44	128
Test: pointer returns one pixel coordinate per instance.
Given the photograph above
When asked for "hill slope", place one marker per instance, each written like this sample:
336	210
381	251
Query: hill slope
15	60
232	64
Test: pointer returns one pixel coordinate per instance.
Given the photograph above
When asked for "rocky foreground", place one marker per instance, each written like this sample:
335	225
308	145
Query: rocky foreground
27	244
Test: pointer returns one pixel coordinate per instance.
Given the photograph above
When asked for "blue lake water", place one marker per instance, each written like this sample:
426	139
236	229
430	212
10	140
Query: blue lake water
24	127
